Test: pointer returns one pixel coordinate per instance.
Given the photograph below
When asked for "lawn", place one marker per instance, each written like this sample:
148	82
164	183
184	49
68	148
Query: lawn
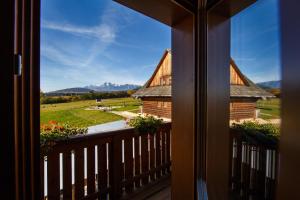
269	109
74	113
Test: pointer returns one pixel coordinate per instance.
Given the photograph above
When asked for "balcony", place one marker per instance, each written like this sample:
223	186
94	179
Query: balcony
254	163
119	164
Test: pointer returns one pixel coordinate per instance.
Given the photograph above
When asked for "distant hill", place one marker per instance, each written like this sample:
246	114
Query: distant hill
270	84
272	87
77	90
108	87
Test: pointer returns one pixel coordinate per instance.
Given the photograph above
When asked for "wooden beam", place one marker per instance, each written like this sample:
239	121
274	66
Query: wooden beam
183	109
228	8
165	11
218	96
289	177
7	167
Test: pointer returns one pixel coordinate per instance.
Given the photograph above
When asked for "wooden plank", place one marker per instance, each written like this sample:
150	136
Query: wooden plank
152	157
91	184
158	153
144	157
102	168
168	150
53	176
262	171
115	167
163	150
245	171
42	177
79	173
128	163
137	160
67	175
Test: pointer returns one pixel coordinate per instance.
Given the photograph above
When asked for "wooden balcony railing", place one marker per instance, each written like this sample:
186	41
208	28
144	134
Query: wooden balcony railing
253	167
106	165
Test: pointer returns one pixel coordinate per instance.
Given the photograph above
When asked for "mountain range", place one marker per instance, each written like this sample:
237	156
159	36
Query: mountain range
105	87
108	87
270	84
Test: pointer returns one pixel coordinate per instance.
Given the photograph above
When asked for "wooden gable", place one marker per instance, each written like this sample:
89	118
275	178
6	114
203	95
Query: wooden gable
162	74
236	77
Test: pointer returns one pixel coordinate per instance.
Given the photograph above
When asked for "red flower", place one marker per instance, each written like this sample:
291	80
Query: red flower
52	122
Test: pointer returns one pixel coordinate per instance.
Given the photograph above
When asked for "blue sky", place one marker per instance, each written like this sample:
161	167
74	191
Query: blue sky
97	41
255	43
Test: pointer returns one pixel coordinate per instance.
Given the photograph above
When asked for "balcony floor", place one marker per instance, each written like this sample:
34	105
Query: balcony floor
164	194
158	191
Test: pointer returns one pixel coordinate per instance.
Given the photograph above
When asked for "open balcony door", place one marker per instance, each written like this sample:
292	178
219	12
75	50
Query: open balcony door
20	139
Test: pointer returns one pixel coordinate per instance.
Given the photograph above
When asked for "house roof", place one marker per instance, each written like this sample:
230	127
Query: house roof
249	90
155	91
147	84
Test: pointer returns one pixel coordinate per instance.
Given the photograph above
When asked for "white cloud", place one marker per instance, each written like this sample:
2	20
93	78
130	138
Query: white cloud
81	62
104	32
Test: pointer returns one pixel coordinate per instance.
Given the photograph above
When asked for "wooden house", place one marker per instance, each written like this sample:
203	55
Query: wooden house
193	157
156	93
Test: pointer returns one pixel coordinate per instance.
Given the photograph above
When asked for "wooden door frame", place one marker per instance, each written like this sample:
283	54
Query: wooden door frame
20	141
181	17
200	113
7	160
202	140
289	147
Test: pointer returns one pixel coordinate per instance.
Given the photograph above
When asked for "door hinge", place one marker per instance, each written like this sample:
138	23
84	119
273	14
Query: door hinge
18	64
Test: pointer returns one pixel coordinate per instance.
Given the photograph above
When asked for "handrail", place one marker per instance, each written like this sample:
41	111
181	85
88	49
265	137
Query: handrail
113	161
253	167
104	134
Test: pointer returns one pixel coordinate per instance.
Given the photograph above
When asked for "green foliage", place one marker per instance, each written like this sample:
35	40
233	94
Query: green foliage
88	96
130	92
75	113
42	94
269	109
53	100
53	132
263	133
146	125
104	95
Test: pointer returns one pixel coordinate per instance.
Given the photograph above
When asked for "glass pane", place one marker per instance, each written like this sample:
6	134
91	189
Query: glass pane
255	79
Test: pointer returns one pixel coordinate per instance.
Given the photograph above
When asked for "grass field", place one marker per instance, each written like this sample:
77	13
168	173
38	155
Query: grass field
269	109
74	113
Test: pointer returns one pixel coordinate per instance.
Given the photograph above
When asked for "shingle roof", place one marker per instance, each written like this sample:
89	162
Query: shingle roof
237	91
249	90
155	91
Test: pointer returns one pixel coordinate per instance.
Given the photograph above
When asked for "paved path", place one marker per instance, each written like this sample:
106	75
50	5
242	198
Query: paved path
126	114
110	126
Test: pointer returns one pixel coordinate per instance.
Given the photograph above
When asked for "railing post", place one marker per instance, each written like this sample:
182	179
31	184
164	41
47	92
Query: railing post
115	167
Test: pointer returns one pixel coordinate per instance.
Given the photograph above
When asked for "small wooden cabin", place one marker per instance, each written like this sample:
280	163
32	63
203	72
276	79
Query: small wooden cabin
156	93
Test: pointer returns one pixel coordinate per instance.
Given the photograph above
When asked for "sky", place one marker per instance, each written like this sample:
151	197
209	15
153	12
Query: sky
255	43
96	41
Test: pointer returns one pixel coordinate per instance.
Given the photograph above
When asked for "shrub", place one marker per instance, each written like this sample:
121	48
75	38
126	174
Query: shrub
53	100
263	133
53	132
145	125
